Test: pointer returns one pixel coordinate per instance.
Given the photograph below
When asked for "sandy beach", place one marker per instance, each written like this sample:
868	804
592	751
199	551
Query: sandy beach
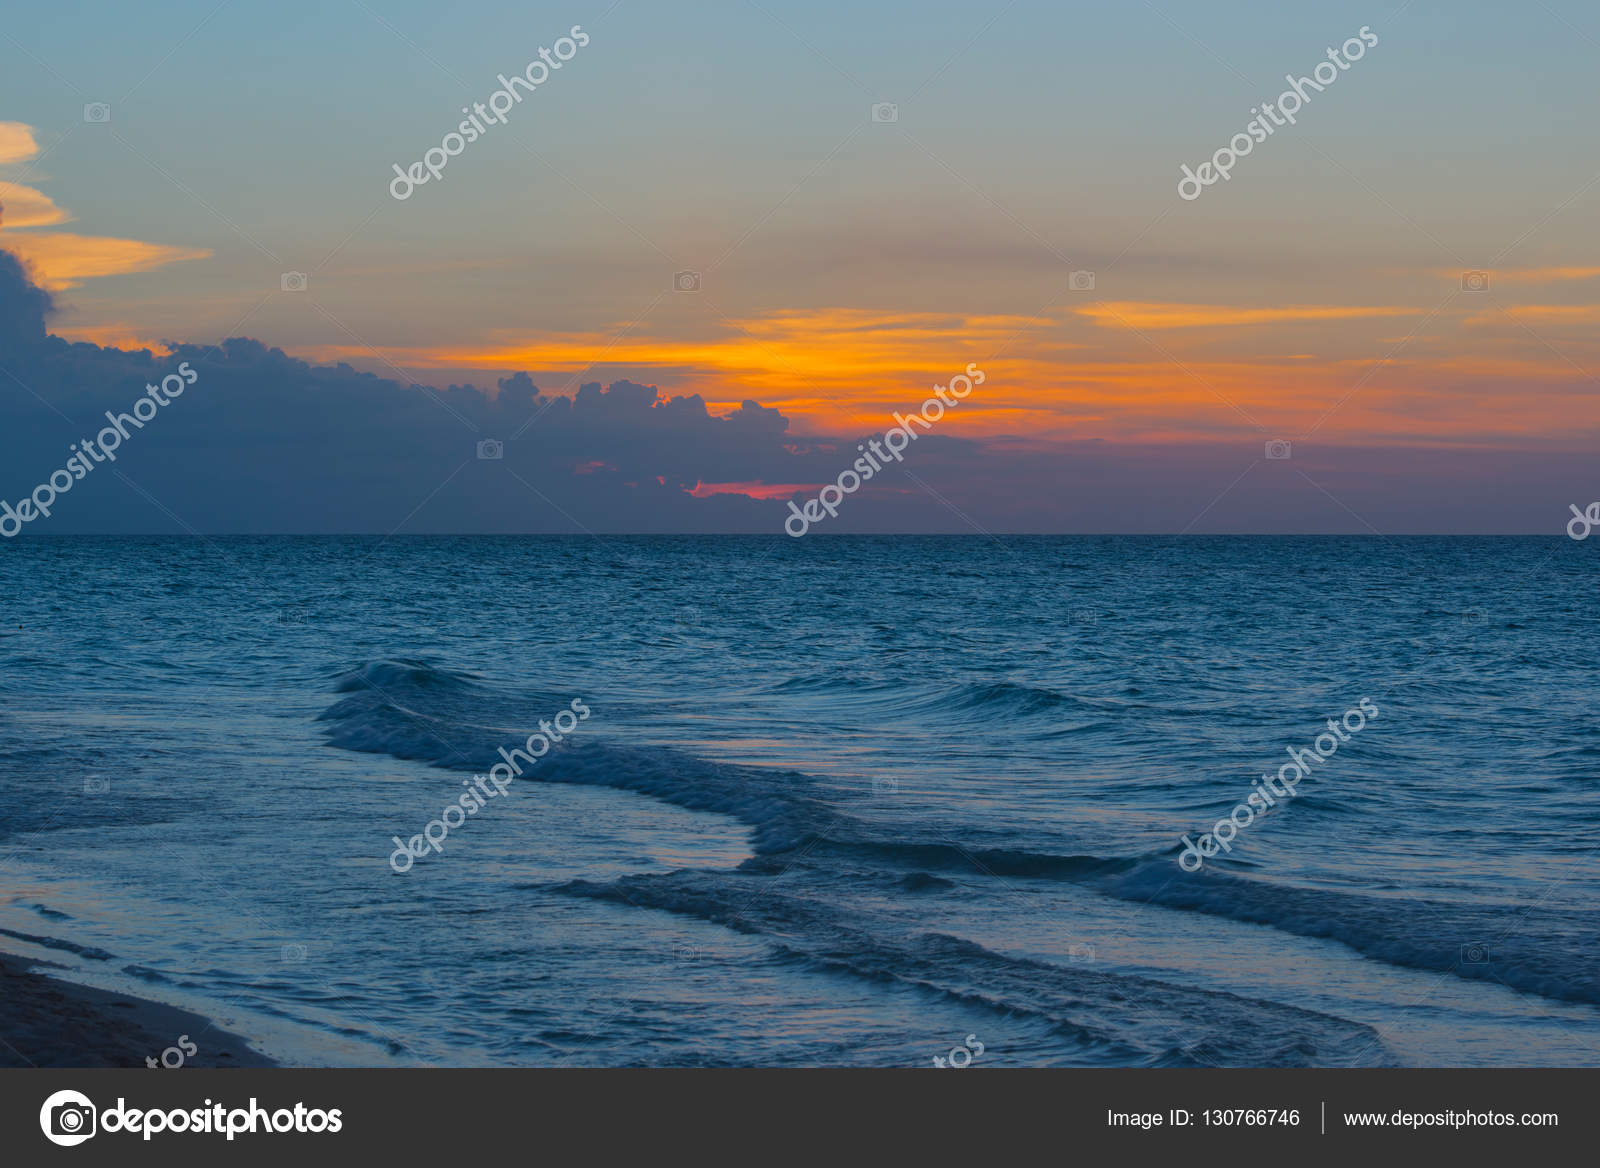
46	1022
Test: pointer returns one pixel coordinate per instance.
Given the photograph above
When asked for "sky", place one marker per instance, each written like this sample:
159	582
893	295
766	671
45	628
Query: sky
761	230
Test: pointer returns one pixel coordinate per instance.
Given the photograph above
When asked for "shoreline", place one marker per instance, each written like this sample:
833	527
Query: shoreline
47	1022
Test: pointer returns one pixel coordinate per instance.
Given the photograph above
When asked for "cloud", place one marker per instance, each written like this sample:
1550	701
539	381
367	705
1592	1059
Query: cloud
62	260
1555	312
1121	386
17	142
831	367
1147	314
24	306
823	346
754	490
1551	275
266	443
22	206
112	335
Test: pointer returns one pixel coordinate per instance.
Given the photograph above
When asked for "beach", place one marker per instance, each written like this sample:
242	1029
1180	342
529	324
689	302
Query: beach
46	1022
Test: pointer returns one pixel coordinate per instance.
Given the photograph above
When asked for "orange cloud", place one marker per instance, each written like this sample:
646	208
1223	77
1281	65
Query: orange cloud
835	363
16	142
111	336
842	371
1118	370
1554	311
829	346
22	206
62	260
1527	275
752	490
1145	314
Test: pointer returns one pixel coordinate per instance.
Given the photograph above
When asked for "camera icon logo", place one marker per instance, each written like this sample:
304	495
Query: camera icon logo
1477	954
67	1118
491	449
1081	281
1080	953
1474	281
885	111
294	281
294	953
686	282
97	112
1278	448
96	785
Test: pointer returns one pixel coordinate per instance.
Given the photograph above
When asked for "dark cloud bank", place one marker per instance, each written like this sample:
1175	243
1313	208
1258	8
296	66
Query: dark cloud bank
267	443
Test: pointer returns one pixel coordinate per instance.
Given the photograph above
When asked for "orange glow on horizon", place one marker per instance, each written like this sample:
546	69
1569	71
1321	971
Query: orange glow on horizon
840	371
752	490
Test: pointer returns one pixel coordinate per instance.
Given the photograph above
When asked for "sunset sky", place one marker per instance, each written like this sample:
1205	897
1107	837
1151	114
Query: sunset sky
845	264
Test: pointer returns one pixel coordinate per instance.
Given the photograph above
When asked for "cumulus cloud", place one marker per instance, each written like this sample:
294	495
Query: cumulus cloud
267	443
23	306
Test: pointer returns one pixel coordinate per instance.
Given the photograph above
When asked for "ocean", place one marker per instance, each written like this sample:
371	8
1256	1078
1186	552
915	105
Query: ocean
864	801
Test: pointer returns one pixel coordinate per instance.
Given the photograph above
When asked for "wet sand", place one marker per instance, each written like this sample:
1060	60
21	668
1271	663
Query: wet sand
46	1022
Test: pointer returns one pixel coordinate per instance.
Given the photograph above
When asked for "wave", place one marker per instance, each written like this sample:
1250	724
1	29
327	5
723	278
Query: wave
1551	955
971	700
849	839
402	673
1128	1019
411	710
440	728
86	951
1010	699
